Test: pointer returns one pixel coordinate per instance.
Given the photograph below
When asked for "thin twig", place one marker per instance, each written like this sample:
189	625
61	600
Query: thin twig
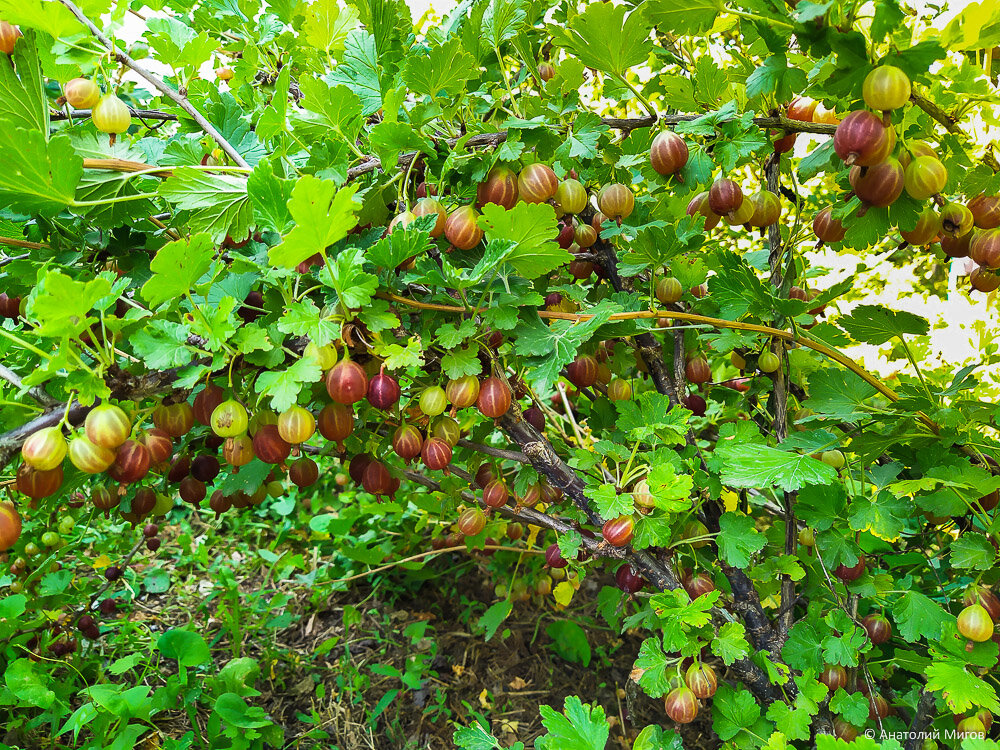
950	124
142	114
489	450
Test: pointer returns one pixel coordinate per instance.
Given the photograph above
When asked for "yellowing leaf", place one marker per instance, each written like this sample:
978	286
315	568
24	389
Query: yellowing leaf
563	593
730	500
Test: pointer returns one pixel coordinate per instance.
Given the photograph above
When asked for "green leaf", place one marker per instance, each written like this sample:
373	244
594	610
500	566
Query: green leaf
461	361
650	417
229	117
919	617
531	227
274	119
569	641
679	614
177	44
820	159
974	27
238	676
737	288
303	318
55	582
126	663
776	78
873	324
839	394
652	662
187	647
494	617
962	690
233	710
22	88
503	20
803	648
62	305
582	140
55	19
219	204
602	37
741	142
440	72
402	243
332	108
284	385
323	215
251	338
843	649
327	25
354	286
730	643
852	706
653	737
12	605
114	192
359	71
610	503
653	530
27	685
555	346
177	267
794	722
451	335
733	711
656	246
608	604
399	357
580	727
972	551
162	344
738	540
476	737
760	466
37	177
684	16
377	316
671	491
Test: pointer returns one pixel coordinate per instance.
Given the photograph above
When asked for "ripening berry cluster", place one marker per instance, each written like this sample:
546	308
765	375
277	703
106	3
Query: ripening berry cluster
108	113
881	170
534	183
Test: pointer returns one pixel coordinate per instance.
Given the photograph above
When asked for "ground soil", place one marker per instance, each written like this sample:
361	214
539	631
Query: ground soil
504	681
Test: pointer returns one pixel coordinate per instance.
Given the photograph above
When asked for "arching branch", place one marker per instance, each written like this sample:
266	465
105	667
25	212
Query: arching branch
547	463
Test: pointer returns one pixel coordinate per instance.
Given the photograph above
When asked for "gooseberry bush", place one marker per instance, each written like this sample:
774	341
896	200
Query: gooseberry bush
559	274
